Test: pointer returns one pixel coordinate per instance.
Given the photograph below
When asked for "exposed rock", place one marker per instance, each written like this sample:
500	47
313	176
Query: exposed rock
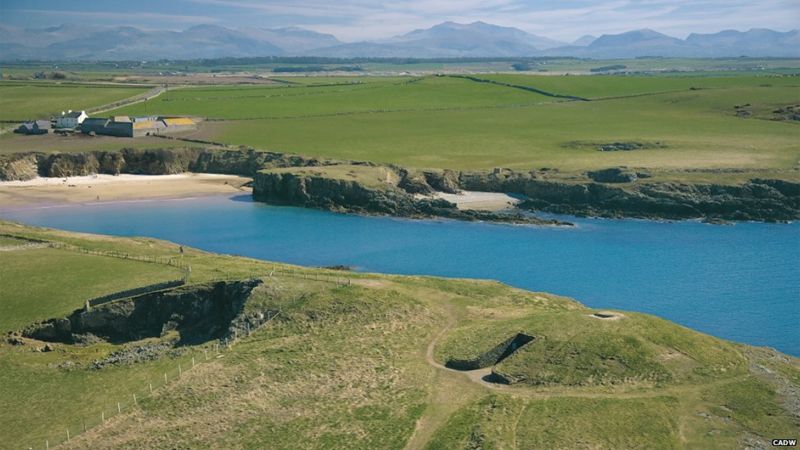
15	340
137	354
246	162
61	165
445	181
198	313
758	199
612	175
318	191
18	167
414	182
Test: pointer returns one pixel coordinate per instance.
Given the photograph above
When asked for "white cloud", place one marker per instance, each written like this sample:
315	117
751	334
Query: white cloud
119	18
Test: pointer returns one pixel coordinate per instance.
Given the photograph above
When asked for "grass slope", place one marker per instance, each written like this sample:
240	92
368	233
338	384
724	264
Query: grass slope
346	366
48	282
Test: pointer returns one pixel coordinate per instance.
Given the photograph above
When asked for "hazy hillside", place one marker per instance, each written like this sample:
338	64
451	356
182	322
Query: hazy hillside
448	39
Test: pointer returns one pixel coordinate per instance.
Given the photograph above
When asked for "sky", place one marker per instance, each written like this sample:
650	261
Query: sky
355	20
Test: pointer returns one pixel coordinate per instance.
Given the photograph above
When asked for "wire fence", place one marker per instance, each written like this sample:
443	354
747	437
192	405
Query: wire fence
165	260
135	292
137	398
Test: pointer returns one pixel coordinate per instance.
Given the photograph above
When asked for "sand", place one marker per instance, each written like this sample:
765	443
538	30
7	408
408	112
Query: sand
485	201
44	192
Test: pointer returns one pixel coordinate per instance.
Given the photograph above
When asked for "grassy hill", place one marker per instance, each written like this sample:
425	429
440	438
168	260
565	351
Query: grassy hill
361	364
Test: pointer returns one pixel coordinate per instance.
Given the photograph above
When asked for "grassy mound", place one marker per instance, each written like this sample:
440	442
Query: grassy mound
573	348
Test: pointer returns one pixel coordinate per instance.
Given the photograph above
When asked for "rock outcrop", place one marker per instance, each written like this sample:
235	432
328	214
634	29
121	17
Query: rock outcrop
614	192
757	199
332	194
198	313
18	167
245	162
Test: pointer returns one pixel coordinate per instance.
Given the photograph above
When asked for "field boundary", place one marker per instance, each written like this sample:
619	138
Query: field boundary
205	353
519	86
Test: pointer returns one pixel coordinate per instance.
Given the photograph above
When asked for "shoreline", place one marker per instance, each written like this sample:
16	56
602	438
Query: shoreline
40	193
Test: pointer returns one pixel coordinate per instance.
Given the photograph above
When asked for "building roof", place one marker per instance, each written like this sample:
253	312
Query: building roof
95	121
144	124
40	124
73	114
172	121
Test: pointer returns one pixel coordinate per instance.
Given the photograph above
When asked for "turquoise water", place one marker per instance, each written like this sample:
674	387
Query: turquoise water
738	282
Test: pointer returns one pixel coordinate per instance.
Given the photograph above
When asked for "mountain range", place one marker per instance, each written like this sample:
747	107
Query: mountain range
448	39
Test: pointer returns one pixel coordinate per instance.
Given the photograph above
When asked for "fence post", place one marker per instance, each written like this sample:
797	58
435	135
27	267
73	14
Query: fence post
134	400
47	444
192	362
103	417
180	372
67	434
165	377
151	388
119	408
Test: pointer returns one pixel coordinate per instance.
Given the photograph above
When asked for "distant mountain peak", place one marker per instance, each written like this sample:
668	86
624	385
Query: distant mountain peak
446	39
584	40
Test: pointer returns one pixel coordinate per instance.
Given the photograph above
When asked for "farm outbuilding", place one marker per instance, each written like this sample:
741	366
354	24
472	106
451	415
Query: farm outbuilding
124	126
34	127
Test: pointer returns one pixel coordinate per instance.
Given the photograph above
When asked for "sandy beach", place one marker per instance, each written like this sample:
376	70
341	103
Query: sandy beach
485	201
42	192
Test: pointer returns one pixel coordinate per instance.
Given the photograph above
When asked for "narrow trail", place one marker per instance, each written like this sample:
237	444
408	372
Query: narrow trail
448	393
454	388
149	95
476	376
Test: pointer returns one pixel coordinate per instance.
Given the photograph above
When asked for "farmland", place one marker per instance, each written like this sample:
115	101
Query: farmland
347	365
39	100
448	122
519	121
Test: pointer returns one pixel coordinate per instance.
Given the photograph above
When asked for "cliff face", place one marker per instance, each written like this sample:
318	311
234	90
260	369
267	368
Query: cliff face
25	166
18	167
333	194
199	313
609	193
758	199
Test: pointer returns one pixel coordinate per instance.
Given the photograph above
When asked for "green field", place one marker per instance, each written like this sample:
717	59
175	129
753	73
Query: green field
66	280
684	122
106	71
355	366
25	101
445	122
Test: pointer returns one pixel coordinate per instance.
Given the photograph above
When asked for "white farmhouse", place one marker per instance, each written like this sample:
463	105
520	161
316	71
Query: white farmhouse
70	119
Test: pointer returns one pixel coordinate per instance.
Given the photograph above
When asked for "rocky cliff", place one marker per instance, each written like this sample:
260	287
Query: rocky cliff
334	194
757	199
246	162
198	313
613	192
